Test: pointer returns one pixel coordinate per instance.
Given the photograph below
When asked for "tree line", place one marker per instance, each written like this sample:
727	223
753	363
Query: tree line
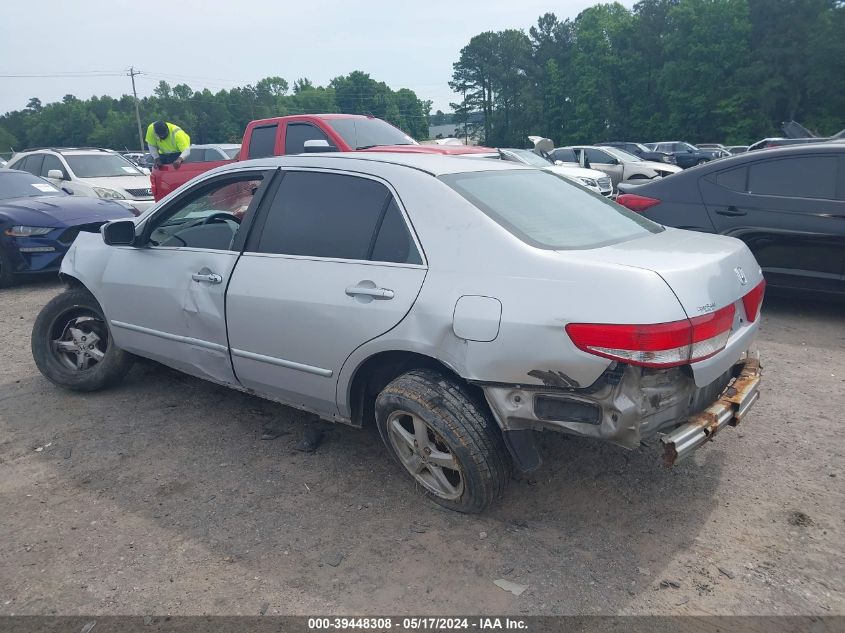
698	70
208	117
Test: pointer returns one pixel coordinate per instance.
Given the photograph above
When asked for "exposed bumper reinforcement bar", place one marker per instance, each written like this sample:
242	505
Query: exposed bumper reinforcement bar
730	408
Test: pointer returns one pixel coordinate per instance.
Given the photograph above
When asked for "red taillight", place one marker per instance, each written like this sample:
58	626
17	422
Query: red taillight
753	300
657	345
635	202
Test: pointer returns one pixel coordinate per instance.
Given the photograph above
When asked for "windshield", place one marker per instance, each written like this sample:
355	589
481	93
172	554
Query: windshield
18	184
692	148
622	155
528	157
548	211
232	152
100	165
361	133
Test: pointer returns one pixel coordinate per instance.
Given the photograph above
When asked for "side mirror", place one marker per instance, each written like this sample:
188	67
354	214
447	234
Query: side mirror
67	191
56	173
558	162
119	233
318	145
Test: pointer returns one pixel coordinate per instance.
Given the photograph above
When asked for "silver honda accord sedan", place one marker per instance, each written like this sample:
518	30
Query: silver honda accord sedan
462	306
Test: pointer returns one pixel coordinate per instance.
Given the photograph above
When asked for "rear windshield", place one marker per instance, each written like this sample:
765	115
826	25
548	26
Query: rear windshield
361	133
19	184
547	211
100	165
232	152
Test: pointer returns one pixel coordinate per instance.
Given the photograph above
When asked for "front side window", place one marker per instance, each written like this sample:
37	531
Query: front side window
797	177
50	163
547	211
208	218
597	156
262	143
317	214
297	133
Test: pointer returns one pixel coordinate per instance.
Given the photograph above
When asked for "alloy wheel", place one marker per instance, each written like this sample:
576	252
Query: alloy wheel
79	339
425	455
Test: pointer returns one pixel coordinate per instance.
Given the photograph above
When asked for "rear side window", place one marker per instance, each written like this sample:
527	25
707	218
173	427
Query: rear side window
32	164
565	155
196	156
262	143
333	215
797	177
547	211
297	133
733	179
393	242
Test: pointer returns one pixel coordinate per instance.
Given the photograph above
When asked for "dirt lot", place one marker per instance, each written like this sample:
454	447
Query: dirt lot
160	497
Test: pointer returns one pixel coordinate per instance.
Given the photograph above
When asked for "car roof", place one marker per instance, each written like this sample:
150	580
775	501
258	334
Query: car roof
434	164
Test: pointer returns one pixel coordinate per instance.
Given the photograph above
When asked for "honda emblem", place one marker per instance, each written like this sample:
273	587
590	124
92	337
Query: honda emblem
740	274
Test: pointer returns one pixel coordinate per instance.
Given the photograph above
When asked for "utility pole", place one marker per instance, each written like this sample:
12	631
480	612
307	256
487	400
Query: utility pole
132	72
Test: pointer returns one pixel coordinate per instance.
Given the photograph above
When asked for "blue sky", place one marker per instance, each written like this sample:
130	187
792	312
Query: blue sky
215	44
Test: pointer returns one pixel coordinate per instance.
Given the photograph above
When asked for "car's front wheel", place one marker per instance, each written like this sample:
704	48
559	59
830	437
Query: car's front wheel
72	345
445	439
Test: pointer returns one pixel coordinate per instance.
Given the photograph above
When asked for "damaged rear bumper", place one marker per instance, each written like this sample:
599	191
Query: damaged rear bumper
729	409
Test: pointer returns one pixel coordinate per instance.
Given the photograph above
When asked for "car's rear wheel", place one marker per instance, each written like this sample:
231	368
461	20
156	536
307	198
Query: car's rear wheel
72	345
445	439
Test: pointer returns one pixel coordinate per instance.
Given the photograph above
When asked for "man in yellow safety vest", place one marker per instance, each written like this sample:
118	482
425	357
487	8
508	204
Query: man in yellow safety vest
168	143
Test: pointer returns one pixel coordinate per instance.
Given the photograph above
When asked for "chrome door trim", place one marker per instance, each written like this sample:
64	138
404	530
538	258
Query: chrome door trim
170	337
281	362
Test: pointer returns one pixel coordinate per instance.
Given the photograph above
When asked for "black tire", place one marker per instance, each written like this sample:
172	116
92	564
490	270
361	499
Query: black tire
456	421
74	318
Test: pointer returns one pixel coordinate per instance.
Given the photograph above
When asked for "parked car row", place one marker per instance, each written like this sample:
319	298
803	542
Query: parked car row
90	172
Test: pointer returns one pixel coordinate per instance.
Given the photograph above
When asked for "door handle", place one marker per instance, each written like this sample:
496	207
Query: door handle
212	278
731	211
365	291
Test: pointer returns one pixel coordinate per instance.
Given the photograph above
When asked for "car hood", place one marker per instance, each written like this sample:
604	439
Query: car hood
449	150
575	172
58	211
119	182
653	164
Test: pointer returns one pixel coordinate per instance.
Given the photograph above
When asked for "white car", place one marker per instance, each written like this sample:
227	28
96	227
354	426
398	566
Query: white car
213	152
592	179
95	173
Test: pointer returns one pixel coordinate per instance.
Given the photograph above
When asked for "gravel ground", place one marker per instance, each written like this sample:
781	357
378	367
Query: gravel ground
161	497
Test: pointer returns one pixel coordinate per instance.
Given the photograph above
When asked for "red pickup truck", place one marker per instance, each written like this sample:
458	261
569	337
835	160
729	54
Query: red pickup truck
298	134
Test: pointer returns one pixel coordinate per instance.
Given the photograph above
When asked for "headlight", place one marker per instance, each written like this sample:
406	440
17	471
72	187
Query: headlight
27	231
589	182
110	194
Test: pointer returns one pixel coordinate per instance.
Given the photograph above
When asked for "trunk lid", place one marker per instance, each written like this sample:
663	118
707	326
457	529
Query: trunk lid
705	272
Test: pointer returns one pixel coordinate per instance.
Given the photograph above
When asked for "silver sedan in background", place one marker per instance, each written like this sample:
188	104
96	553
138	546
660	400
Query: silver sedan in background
461	306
